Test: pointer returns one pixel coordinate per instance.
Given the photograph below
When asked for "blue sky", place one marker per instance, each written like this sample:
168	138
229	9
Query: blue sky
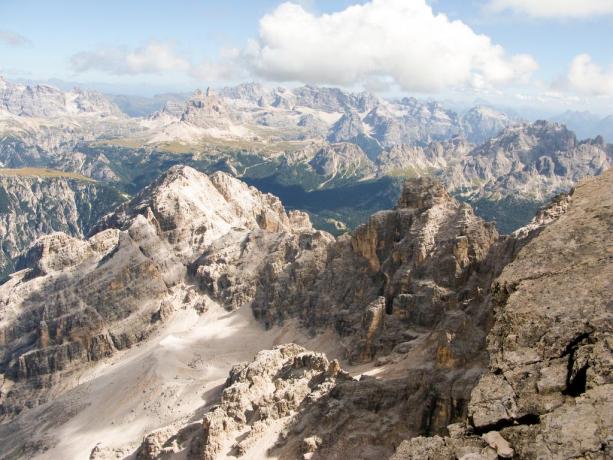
207	42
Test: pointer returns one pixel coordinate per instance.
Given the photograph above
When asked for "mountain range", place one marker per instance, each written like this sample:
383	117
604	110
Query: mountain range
302	273
339	156
200	319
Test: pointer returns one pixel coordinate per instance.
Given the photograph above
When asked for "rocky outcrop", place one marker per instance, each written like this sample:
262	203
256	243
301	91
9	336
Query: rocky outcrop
206	110
549	347
274	386
32	205
414	289
347	128
341	160
419	258
411	161
409	290
192	210
412	122
76	301
547	393
466	344
333	99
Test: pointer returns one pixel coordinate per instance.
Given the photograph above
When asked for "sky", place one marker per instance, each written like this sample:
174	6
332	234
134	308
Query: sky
548	54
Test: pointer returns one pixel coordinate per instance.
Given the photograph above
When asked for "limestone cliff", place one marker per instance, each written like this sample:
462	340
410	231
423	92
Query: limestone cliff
76	301
32	205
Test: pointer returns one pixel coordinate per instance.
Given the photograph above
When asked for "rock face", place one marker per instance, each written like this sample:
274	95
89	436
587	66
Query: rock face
510	176
76	301
274	386
347	128
467	344
412	122
406	160
32	206
534	160
341	160
192	210
416	260
549	347
206	110
410	288
422	289
548	389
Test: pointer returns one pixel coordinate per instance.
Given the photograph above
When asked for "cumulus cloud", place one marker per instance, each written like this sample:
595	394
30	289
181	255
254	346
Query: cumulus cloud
587	77
554	8
154	57
383	39
13	39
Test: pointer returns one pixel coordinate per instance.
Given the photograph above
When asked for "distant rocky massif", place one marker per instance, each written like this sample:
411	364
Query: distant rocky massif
155	305
339	156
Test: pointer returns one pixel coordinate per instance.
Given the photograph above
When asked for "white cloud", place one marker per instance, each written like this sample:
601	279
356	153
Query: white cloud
589	78
13	39
554	8
391	39
227	68
154	57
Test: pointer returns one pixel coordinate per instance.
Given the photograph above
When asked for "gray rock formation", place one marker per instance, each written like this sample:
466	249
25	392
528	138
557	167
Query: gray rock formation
347	128
469	344
447	282
47	101
206	110
537	160
341	160
333	99
481	123
77	301
32	205
410	161
412	122
547	393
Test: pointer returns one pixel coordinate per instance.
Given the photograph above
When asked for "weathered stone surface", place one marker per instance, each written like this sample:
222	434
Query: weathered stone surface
273	386
421	289
32	206
548	391
77	301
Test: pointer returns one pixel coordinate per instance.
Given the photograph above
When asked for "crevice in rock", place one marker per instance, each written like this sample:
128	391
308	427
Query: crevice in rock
575	385
572	346
528	419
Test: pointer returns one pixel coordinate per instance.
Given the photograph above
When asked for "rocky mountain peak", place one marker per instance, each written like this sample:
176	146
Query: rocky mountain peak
348	127
190	210
250	92
482	122
422	193
206	110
